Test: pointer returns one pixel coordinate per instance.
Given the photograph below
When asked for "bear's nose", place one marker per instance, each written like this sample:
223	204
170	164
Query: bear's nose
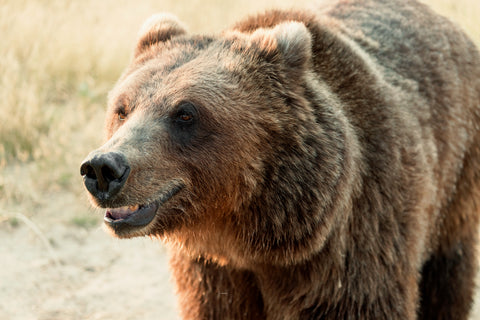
104	174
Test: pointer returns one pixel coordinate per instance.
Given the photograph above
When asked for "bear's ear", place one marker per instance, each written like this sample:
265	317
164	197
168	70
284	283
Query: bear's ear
158	28
291	39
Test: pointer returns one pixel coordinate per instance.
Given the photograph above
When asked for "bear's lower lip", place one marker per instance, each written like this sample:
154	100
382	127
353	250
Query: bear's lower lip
124	218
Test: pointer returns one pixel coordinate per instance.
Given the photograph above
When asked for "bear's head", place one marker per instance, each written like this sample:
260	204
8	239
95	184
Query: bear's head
226	146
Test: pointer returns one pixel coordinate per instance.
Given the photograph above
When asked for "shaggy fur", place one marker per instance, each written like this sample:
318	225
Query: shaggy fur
303	166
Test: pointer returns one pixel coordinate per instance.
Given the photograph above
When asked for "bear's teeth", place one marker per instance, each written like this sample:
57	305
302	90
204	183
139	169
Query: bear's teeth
127	209
133	208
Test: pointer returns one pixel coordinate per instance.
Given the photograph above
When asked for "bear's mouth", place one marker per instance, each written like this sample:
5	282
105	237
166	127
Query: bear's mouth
137	215
126	217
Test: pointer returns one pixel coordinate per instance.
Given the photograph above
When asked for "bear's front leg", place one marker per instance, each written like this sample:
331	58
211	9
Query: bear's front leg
207	290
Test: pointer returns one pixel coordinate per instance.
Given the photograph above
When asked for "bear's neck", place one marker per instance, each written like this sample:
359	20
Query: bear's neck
318	283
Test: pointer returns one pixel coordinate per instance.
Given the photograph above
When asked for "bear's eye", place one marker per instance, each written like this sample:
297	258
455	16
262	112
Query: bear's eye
122	116
185	113
185	117
184	123
122	112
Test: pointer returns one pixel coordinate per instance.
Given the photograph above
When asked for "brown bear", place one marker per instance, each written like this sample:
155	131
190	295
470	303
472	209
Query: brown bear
302	164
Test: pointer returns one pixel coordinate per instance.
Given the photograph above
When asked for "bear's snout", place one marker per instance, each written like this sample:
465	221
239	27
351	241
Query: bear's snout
104	174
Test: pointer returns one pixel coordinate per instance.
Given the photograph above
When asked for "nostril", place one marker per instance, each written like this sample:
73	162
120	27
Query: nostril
109	174
87	170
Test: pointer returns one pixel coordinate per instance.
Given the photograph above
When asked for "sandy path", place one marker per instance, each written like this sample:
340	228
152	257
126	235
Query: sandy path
85	275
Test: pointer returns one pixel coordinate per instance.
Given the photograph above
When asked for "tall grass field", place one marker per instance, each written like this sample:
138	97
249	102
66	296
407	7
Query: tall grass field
58	61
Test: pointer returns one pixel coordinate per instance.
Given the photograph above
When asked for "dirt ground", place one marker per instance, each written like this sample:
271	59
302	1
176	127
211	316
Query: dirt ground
54	269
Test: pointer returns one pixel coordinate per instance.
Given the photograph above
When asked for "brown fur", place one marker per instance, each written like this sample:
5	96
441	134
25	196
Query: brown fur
331	169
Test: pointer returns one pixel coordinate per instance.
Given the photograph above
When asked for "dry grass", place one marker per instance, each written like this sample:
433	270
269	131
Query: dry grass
466	13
